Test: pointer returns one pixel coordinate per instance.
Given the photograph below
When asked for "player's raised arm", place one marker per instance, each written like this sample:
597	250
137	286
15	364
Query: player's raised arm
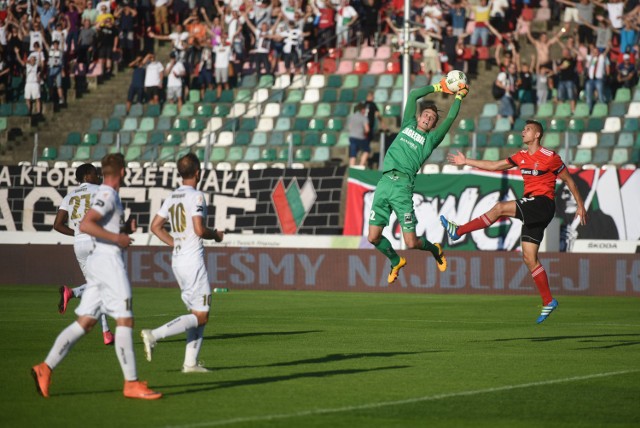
460	159
441	131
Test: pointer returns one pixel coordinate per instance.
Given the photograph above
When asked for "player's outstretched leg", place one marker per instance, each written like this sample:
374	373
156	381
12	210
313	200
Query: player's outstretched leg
395	270
66	294
450	227
546	310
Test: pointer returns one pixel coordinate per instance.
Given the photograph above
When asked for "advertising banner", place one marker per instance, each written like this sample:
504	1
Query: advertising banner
612	197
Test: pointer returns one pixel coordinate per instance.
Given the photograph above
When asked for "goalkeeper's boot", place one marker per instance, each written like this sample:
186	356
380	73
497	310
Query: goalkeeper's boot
139	389
393	275
149	343
450	227
42	375
66	294
546	310
441	260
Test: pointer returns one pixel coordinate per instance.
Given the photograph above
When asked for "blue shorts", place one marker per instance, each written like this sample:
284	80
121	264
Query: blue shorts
358	145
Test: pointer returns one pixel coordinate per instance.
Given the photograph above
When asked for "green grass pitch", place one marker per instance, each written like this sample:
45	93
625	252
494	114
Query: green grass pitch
320	359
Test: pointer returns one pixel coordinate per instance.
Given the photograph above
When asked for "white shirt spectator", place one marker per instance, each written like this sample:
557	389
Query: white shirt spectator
615	14
499	8
153	75
223	56
174	79
345	15
597	64
432	15
32	73
160	3
179	40
292	38
35	36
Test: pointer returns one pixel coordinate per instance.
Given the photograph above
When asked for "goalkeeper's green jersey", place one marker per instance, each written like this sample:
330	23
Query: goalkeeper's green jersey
412	147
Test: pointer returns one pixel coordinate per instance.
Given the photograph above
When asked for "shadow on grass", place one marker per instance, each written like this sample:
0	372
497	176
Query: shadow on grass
181	338
196	387
611	340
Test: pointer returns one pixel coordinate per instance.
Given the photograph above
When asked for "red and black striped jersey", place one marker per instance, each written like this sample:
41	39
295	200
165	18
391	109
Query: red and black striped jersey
539	171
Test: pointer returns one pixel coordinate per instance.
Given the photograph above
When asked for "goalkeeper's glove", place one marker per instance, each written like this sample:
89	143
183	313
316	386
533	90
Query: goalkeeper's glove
462	92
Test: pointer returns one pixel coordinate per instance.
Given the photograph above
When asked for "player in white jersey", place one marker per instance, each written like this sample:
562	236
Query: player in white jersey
185	211
77	202
108	289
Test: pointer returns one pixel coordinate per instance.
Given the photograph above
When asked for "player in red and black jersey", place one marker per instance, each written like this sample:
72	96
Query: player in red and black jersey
539	168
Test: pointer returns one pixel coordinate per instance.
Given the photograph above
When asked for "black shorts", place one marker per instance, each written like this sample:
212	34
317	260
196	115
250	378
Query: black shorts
152	91
536	212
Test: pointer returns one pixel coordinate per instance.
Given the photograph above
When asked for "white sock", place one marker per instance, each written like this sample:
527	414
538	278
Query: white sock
176	326
77	292
194	343
124	350
63	344
105	324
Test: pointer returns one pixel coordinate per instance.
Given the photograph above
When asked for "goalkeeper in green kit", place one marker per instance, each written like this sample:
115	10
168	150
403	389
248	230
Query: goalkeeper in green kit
417	138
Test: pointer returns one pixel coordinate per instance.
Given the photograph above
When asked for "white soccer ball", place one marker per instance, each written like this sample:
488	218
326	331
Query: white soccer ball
453	80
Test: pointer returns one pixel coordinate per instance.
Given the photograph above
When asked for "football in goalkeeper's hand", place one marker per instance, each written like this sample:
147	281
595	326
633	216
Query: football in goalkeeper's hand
455	80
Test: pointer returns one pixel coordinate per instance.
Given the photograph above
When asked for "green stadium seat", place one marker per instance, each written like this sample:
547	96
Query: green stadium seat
242	138
204	111
618	109
572	137
235	154
294	138
252	154
306	111
218	154
283	124
5	109
301	124
316	125
576	125
311	139
595	124
334	125
96	125
197	124
545	110
527	110
552	140
346	96
518	124
169	110
368	81
321	154
485	124
187	110
248	124
396	96
249	81
342	110
631	124
20	109
156	138
502	125
49	153
221	110
600	110
302	154
106	138
99	152
268	154
479	138
491	154
226	96
329	95
276	96
619	156
600	156
582	110
446	141
266	81
259	139
210	96
180	124
149	154
194	96
113	124
323	110
351	81
83	153
497	140
489	110
130	124
89	139
124	137
460	140
392	110
152	110
294	96
146	124
385	81
557	125
466	125
167	154
361	95
381	96
276	138
164	124
140	139
515	141
623	95
582	156
3	124
283	155
65	153
136	110
625	139
334	81
329	139
563	110
289	110
73	139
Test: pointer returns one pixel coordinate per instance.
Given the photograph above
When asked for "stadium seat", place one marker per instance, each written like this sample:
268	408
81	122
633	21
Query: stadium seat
345	67
576	125
221	110
385	81
588	140
73	139
334	125
527	110
321	154
146	124
299	82
460	140
113	124
552	140
164	123
180	124
266	81
618	109
244	95
99	152
197	124
106	138
249	81
327	139
237	110
194	96
515	140
248	124
169	110
361	67
438	155
634	109
619	156
502	125
283	124
317	81
65	153
546	110
346	96
316	125
49	153
156	138
187	110
140	139
271	110
218	154
5	110
193	137
489	110
83	153
210	96
595	124
518	124
582	110
136	110
300	124
89	139
124	137
288	110
252	154
96	125
431	168
496	140
625	139
378	67
466	125
607	140
393	67
392	110
242	138
563	110
294	138
623	95
582	156
268	154
323	110
302	154
600	110
396	96
306	111
612	124
342	110
130	124
557	125
491	154
226	96
311	139
258	139
485	124
380	95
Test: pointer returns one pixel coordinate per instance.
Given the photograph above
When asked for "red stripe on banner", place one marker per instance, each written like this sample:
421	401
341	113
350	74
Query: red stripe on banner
354	217
281	204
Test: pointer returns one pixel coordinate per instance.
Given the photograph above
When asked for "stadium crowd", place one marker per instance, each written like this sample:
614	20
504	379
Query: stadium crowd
47	44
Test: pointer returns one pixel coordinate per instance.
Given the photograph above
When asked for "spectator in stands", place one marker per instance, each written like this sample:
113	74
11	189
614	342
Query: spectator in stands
104	14
430	55
603	32
506	80
481	21
205	70
597	66
199	36
136	88
107	45
154	73
179	41
628	35
373	116
175	71
60	33
627	73
261	46
370	11
346	17
326	24
508	44
542	84
292	38
458	14
583	14
32	82
542	46
310	21
126	16
89	12
498	15
566	71
72	17
36	35
37	52
358	125
86	40
4	75
47	12
432	16
223	53
56	69
161	15
526	93
615	13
